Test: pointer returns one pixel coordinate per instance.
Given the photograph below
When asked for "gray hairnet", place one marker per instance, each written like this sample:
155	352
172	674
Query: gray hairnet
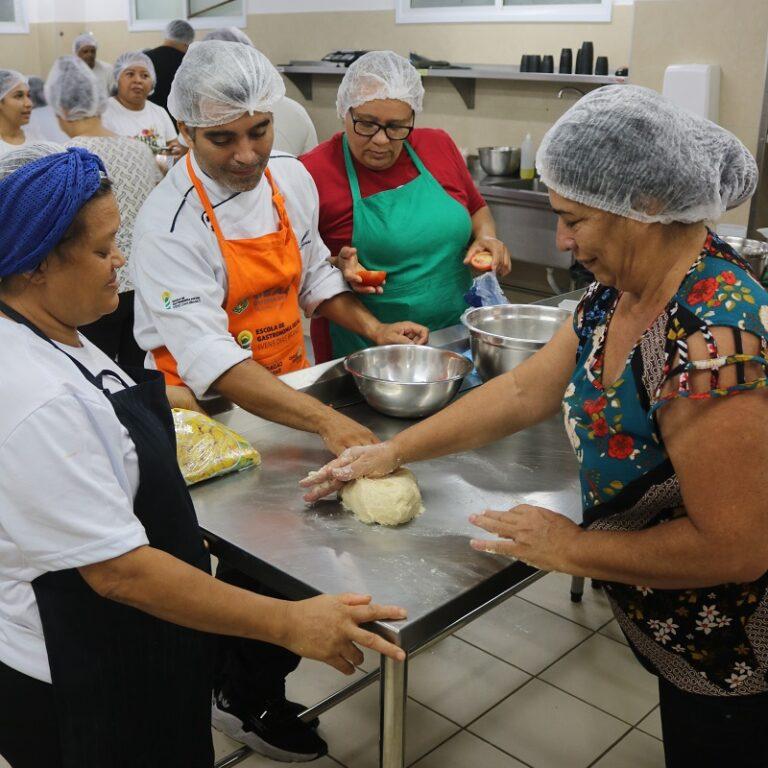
9	79
12	161
133	59
380	75
629	151
180	31
219	82
73	91
36	85
229	35
82	40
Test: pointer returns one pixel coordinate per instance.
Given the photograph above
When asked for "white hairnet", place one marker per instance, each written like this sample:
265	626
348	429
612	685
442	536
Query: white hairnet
380	75
133	59
229	35
219	82
36	85
17	158
82	40
73	91
632	152
180	31
9	79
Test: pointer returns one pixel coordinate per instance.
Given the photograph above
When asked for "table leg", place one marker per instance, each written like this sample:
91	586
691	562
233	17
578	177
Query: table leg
577	588
394	691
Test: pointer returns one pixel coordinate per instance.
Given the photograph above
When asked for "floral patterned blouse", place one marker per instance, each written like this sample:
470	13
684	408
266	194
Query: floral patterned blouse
711	641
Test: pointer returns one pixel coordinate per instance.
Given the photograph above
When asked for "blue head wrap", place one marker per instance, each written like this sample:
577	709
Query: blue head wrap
39	201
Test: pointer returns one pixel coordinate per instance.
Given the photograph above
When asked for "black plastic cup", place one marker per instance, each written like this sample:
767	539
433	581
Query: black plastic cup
566	62
587	57
580	62
537	63
523	63
601	65
548	64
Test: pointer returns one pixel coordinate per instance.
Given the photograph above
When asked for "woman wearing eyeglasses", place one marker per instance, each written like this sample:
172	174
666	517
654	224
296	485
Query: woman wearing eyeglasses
398	199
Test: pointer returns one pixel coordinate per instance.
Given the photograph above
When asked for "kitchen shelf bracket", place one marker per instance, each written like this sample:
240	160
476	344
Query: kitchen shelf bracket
466	88
302	81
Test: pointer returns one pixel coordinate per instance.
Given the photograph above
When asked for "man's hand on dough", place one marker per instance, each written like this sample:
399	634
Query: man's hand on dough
360	461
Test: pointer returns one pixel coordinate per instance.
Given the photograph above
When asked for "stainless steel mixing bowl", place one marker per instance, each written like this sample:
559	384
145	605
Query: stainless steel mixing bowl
499	161
407	380
503	336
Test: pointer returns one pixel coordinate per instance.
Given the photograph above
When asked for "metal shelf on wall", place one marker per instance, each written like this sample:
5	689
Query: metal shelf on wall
463	79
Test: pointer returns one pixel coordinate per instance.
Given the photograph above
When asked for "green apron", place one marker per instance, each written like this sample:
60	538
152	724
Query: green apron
418	234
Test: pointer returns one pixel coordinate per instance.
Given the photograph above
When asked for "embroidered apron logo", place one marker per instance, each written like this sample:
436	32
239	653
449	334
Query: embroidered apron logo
241	307
244	339
166	297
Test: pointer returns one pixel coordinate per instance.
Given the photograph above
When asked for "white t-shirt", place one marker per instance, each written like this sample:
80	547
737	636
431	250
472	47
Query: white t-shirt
5	147
179	273
152	125
69	477
294	130
44	126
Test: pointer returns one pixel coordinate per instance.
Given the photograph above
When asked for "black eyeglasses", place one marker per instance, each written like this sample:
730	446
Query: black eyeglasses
369	128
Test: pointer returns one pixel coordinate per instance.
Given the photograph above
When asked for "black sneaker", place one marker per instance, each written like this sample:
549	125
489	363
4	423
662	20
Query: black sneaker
275	732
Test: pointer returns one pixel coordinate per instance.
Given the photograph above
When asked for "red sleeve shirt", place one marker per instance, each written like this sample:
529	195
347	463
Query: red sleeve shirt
435	149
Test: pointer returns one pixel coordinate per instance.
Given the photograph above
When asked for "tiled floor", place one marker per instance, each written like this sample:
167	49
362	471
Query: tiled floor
538	681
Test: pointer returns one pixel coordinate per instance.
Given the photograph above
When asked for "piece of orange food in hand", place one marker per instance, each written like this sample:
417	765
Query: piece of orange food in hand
482	261
372	278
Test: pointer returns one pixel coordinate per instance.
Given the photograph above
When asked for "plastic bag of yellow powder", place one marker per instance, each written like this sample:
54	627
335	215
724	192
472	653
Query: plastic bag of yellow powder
205	448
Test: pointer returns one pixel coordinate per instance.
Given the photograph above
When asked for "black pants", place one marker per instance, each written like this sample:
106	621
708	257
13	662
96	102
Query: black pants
29	733
113	334
250	672
713	731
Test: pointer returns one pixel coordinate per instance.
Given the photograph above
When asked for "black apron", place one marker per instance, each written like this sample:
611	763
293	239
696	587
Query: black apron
131	690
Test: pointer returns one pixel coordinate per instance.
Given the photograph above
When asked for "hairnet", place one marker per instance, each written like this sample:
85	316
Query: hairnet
632	152
229	35
133	59
12	161
180	31
9	79
39	200
73	91
219	82
82	40
36	85
380	75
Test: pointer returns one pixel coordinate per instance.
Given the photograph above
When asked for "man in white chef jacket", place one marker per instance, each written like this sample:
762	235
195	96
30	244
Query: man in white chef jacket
226	254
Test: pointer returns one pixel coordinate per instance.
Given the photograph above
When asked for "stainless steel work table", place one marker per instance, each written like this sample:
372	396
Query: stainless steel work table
258	521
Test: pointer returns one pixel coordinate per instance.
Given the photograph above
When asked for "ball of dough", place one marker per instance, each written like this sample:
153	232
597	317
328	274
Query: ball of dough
391	500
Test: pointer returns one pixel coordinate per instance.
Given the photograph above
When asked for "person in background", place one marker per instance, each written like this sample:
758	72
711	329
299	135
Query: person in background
167	58
294	130
43	124
398	199
226	256
128	111
79	101
15	109
85	47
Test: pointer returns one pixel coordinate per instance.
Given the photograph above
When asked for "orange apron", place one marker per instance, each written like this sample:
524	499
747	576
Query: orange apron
262	304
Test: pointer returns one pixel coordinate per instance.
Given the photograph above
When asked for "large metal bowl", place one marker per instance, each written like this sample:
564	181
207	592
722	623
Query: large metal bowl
499	161
407	380
502	337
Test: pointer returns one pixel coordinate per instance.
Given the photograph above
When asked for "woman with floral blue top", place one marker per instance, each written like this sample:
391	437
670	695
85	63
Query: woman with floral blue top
672	461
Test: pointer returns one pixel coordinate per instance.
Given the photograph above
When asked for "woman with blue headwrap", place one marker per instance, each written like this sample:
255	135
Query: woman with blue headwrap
106	598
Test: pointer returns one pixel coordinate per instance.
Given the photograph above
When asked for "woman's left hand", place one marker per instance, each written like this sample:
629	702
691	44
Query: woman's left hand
400	333
502	261
534	535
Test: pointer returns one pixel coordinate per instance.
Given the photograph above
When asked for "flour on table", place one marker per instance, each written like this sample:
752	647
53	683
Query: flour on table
391	500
